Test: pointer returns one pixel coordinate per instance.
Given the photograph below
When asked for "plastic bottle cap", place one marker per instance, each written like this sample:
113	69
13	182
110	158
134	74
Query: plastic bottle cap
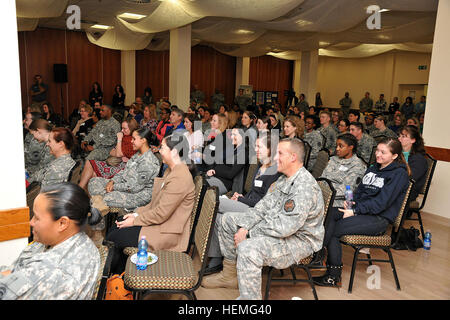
347	187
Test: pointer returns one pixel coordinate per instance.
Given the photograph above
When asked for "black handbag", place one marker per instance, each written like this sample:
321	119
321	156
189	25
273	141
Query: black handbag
408	240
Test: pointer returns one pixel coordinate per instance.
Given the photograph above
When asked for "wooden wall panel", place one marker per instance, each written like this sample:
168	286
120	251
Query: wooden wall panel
211	69
86	63
152	70
268	73
111	73
84	67
42	48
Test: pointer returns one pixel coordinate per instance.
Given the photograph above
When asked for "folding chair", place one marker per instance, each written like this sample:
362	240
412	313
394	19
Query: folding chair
414	206
106	251
323	156
357	242
174	272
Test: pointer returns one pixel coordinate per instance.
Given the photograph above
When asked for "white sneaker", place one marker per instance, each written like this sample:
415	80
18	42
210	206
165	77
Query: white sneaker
365	250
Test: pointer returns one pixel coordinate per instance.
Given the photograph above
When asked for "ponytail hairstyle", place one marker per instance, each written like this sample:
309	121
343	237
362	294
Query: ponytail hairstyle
64	135
70	200
395	147
146	133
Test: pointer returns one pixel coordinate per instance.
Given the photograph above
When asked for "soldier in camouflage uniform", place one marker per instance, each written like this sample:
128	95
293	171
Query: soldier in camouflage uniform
327	131
56	172
345	168
285	226
345	104
132	187
51	269
365	142
314	138
197	95
217	100
242	100
381	129
303	104
366	103
103	136
35	152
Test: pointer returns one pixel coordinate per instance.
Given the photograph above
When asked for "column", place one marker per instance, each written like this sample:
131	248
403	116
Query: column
242	72
436	131
128	75
308	75
180	67
14	215
296	77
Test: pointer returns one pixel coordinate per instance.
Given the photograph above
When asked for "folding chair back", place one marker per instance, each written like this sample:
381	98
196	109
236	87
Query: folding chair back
321	163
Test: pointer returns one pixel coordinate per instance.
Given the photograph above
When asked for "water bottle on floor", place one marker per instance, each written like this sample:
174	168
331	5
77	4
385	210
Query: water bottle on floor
427	241
348	197
142	254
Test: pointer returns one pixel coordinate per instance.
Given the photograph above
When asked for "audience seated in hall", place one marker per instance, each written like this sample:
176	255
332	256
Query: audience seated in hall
132	187
165	220
61	143
285	226
375	206
266	174
118	156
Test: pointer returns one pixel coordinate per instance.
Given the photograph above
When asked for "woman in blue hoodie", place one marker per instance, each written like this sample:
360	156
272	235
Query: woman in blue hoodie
377	201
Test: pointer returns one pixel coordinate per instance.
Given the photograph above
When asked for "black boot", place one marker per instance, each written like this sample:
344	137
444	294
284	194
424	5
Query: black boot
332	278
319	257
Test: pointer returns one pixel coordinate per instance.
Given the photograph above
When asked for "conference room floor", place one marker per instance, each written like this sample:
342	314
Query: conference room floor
423	275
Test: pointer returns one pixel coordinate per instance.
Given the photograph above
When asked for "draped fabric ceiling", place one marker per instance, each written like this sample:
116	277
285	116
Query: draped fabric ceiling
282	28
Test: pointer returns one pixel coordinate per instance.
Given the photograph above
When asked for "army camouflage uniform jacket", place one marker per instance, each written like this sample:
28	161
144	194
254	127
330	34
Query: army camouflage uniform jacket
67	271
365	146
104	137
56	172
315	140
292	211
342	172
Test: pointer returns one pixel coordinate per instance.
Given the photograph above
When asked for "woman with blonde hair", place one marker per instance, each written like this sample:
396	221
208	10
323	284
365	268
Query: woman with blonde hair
233	118
85	124
149	120
293	127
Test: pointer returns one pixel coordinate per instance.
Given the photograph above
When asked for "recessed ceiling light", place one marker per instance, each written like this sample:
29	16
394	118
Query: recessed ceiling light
101	26
134	16
243	31
384	10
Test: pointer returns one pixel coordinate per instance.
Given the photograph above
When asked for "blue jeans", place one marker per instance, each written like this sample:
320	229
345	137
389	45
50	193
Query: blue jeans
337	226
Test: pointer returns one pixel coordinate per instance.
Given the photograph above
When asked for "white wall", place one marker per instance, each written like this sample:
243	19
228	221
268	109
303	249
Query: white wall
12	186
436	130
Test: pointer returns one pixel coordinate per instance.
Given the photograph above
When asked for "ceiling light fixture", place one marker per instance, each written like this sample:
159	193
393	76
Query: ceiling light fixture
101	26
384	10
134	16
303	23
243	31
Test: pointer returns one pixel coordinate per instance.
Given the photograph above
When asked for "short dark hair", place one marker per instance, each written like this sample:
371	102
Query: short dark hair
355	113
349	140
358	125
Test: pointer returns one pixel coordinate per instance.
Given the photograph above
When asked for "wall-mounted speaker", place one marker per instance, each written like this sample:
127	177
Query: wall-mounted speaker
60	72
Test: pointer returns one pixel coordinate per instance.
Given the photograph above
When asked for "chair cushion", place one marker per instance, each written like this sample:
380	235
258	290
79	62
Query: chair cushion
384	240
306	260
414	205
173	270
